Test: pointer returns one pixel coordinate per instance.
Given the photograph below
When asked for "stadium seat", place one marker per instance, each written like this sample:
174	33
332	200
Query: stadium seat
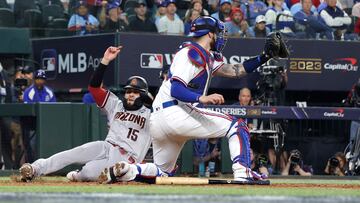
51	12
131	18
130	4
7	18
181	13
58	28
130	11
43	3
33	20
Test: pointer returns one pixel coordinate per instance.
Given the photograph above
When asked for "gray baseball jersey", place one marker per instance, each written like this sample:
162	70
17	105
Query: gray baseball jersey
128	129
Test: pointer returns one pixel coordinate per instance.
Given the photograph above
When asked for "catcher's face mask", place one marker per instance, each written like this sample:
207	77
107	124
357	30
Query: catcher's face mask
221	37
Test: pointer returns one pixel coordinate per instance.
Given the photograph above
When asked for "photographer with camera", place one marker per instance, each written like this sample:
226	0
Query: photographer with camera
353	148
259	163
295	165
23	79
336	165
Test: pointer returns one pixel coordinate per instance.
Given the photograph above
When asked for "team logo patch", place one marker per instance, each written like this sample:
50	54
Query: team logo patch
133	82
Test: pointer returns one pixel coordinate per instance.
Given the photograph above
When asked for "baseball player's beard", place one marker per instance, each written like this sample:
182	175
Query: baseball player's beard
133	106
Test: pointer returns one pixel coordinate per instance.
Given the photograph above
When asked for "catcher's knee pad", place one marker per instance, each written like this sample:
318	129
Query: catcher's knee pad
239	137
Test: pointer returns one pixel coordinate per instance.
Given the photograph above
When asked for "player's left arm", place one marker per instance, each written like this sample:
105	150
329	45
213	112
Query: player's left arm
274	47
239	70
231	71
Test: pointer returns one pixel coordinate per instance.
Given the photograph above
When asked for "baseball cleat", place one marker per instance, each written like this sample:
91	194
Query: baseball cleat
120	168
104	177
26	172
114	174
71	176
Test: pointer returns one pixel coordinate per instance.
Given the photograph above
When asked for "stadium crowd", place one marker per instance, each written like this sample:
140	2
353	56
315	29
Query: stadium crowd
302	19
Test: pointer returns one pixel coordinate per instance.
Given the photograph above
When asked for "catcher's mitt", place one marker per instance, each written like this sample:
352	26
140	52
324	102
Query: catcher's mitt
275	46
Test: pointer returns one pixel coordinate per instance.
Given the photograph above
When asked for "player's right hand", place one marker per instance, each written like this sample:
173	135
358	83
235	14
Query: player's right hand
212	99
110	54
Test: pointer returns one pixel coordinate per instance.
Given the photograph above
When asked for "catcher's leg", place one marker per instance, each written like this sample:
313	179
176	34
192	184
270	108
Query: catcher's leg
80	155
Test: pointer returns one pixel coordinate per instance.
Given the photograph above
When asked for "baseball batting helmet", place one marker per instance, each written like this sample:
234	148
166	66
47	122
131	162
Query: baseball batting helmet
140	84
205	24
40	74
137	83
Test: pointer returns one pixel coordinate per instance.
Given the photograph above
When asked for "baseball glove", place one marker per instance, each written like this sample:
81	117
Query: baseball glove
275	46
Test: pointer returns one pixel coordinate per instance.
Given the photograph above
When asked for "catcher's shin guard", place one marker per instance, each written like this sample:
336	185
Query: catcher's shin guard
239	146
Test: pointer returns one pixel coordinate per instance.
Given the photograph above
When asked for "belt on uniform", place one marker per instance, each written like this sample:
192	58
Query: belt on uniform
165	105
122	151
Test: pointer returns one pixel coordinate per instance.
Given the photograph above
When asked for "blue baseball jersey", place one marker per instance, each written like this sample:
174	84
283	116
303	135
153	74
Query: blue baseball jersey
34	95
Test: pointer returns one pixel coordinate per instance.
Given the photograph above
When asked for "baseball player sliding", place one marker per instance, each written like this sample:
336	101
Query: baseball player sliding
176	119
128	139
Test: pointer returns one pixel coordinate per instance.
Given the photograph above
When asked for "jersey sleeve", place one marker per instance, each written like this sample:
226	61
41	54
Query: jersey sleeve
182	69
110	102
217	65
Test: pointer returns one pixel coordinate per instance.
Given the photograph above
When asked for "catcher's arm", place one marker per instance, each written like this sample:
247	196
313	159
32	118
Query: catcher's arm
231	71
274	47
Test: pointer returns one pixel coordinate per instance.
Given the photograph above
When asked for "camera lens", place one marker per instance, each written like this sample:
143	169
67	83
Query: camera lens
334	162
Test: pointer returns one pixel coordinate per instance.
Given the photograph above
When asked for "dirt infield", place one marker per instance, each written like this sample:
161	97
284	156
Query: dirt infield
14	181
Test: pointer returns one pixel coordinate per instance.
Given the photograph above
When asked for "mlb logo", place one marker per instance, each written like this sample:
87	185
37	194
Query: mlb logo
49	62
151	60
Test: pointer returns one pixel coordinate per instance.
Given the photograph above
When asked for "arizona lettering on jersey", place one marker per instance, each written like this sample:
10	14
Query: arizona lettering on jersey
128	129
126	116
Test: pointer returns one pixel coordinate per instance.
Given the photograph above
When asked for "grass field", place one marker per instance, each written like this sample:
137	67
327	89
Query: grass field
278	187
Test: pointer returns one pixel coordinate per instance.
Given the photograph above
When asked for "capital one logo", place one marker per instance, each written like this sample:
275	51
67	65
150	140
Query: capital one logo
343	64
339	113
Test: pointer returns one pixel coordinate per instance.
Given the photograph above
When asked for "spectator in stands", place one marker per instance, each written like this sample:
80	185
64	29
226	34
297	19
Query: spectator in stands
238	25
212	5
141	23
66	5
160	12
336	165
295	165
82	22
224	11
259	29
335	18
285	23
298	7
356	13
39	92
253	8
169	24
271	3
197	5
309	21
245	100
191	15
116	20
